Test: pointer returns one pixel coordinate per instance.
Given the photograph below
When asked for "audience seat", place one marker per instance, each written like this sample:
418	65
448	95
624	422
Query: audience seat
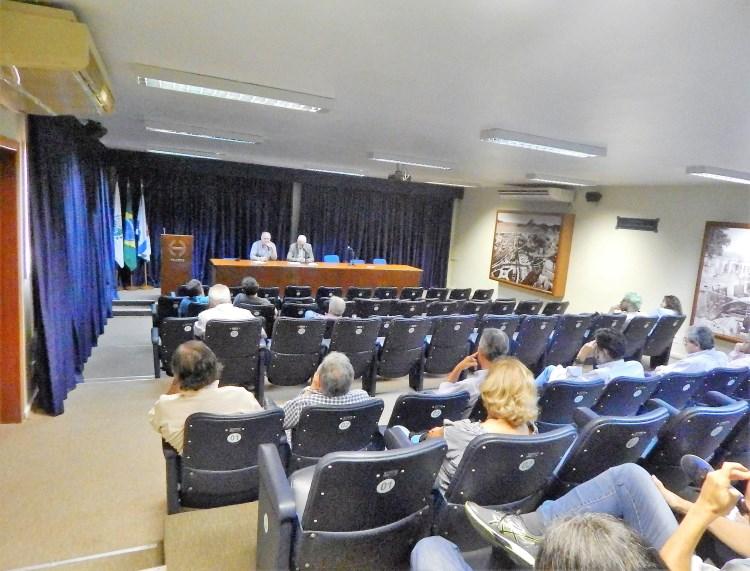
408	307
171	333
503	306
297	291
325	292
269	292
555	307
460	294
165	306
265	312
295	350
474	307
482	294
505	323
636	332
676	389
437	308
370	307
566	339
624	396
528	307
412	293
419	412
437	293
352	510
194	309
298	310
614	321
560	399
449	343
354	292
234	290
401	353
658	344
736	448
385	292
723	380
237	345
356	339
532	339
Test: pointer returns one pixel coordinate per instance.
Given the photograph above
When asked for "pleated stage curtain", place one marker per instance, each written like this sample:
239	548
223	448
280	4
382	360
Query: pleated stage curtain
72	252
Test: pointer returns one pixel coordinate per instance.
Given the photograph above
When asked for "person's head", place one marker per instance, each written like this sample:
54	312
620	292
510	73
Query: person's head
509	393
336	306
250	286
193	288
336	374
698	338
631	302
195	366
610	345
594	542
301	240
493	344
672	302
265	237
218	294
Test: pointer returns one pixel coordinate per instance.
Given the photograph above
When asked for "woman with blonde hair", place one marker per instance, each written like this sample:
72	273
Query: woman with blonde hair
510	398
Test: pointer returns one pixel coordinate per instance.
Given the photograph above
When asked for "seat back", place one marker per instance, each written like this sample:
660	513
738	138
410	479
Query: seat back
422	411
482	294
234	290
439	293
403	346
555	307
460	294
237	347
297	291
385	292
624	396
167	306
219	465
325	428
474	307
370	307
173	332
409	308
266	312
194	309
412	293
533	336
722	380
356	339
295	350
502	306
560	399
636	332
268	292
449	343
677	389
442	308
355	292
331	258
567	339
661	337
528	307
327	291
506	323
297	310
379	261
614	321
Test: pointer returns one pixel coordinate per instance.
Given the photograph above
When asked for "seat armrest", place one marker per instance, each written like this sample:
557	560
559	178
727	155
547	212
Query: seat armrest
172	465
653	404
154	315
155	336
269	403
277	515
715	398
583	415
397	437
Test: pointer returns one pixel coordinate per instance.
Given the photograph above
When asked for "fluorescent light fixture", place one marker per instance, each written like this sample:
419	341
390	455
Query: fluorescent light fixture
553	179
536	143
331	171
450	184
248	140
213	157
715	173
208	86
412	162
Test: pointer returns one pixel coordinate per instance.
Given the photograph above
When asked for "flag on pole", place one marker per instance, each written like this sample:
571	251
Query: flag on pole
144	240
117	233
131	260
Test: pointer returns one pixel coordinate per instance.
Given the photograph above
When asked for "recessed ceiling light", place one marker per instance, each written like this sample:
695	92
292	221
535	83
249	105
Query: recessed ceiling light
536	143
248	140
412	162
331	171
214	157
208	86
450	184
553	179
719	174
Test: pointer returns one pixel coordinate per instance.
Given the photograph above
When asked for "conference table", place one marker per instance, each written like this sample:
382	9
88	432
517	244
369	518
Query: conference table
281	274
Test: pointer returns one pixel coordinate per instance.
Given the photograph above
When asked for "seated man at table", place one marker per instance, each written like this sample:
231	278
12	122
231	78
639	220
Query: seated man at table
220	308
263	250
300	251
336	308
701	355
331	385
196	389
249	294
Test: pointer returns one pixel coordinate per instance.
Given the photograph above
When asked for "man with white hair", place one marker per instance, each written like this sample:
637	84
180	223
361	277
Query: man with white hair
263	250
220	308
336	308
300	251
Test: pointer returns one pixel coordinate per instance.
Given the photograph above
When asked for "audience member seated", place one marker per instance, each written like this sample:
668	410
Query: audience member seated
608	351
493	345
194	292
300	251
249	293
740	356
510	399
195	388
701	355
331	385
220	308
670	305
336	308
630	305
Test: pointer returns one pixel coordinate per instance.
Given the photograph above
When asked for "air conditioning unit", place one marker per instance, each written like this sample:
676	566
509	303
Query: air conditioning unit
537	193
49	64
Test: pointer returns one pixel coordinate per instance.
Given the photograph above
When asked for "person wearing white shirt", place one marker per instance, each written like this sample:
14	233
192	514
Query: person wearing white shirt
263	250
220	308
701	355
740	357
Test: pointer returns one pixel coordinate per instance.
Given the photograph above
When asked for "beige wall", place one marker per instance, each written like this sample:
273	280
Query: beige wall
605	262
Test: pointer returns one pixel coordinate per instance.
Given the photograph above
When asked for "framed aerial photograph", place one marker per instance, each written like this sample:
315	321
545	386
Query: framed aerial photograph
531	250
722	290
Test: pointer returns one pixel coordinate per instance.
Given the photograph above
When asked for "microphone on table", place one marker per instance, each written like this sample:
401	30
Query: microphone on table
352	253
696	469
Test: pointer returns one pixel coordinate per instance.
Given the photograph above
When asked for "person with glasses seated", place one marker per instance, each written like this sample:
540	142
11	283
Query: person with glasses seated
701	355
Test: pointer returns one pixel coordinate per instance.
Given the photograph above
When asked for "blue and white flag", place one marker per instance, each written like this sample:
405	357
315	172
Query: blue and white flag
144	240
117	231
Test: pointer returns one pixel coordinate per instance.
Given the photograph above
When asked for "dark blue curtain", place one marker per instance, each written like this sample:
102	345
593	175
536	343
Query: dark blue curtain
403	223
225	206
72	262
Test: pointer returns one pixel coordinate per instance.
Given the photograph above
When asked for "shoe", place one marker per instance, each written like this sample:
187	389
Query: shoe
506	531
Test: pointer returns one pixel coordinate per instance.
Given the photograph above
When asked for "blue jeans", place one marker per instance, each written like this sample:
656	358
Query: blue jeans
626	492
543	377
437	554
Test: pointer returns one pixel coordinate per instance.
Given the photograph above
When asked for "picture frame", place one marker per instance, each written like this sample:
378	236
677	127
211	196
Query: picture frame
531	250
722	289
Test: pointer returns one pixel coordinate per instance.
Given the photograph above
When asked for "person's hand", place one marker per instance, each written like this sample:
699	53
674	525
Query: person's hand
586	351
469	361
718	496
674	501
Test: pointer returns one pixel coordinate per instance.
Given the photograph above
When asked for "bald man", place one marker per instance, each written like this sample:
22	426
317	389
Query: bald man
263	250
300	251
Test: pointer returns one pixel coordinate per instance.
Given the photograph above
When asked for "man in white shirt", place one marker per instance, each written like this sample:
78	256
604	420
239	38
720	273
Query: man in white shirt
739	358
701	355
263	250
196	389
220	308
300	251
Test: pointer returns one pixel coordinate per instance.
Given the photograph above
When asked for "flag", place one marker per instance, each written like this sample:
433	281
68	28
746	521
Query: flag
131	260
117	234
144	240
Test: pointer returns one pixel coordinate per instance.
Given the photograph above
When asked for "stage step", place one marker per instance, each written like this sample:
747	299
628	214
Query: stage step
129	310
132	302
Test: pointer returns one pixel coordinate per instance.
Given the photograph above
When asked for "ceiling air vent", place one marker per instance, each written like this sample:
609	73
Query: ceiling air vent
537	193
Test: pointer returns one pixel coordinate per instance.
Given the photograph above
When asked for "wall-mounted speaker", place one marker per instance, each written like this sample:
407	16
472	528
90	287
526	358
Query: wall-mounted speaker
593	196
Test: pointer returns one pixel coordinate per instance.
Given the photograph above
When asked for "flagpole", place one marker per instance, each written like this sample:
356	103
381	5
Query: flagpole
146	285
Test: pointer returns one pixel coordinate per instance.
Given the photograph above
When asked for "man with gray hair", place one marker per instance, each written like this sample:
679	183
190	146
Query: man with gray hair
331	385
300	251
220	308
493	345
263	250
336	308
701	355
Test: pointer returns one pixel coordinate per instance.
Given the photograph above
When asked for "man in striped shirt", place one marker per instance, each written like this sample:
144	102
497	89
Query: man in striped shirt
331	385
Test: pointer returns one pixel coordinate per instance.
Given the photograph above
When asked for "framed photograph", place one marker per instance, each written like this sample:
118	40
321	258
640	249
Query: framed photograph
722	290
531	250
